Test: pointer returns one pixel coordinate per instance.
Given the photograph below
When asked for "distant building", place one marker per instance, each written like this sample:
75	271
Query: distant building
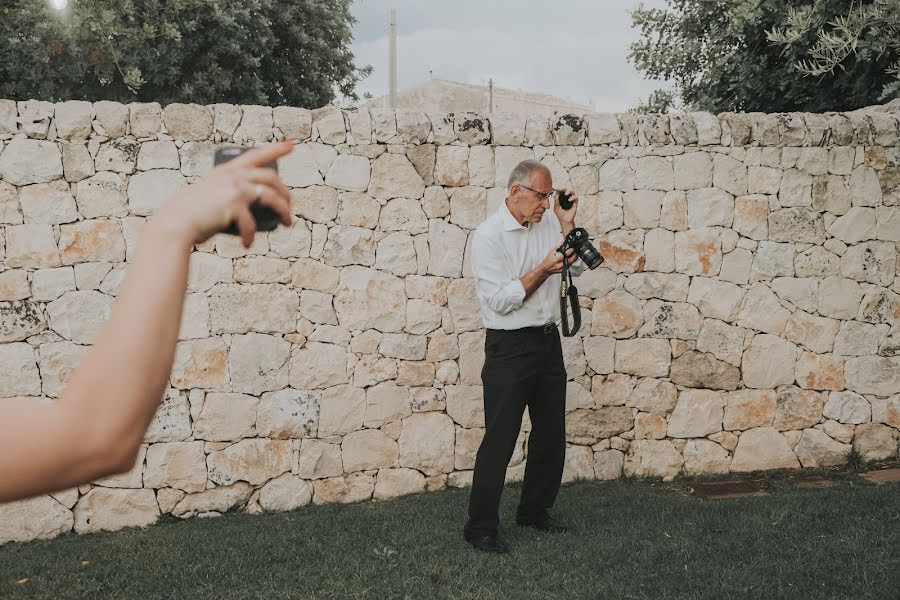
441	96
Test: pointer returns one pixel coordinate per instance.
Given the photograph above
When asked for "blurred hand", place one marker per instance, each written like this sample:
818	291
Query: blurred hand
224	196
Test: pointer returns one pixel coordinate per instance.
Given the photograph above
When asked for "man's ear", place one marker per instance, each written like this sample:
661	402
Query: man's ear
514	190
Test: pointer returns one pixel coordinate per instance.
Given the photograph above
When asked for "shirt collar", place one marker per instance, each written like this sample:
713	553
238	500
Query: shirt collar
509	222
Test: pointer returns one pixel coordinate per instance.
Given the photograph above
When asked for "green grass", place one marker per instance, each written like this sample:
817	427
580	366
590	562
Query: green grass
631	540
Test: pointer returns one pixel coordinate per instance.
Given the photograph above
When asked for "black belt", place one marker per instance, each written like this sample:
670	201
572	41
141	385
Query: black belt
545	329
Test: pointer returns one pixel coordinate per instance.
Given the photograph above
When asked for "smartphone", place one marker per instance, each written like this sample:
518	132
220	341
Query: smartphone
266	219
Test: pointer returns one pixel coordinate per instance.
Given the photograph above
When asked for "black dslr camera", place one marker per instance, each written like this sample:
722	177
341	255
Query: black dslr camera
579	241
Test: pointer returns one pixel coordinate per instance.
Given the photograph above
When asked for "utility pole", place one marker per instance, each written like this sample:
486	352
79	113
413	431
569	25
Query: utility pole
393	60
491	95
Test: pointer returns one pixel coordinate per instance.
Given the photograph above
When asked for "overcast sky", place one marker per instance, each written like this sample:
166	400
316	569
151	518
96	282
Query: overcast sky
574	49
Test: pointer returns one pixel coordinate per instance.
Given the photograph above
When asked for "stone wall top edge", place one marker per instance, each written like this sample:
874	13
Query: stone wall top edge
361	126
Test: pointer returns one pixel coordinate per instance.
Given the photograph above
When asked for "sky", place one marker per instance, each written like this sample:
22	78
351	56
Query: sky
575	49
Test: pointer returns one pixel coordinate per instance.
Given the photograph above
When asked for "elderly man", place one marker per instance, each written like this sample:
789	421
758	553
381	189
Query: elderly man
516	265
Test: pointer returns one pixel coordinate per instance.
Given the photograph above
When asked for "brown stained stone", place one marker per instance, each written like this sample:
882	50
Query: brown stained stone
883	476
625	258
820	372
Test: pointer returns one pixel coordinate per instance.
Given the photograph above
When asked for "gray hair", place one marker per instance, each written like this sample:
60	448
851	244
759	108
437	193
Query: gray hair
524	171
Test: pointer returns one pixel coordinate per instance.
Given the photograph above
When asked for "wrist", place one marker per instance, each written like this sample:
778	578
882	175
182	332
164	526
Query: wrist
172	227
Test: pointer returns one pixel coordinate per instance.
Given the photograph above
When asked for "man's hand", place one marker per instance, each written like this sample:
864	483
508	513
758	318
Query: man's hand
566	216
553	262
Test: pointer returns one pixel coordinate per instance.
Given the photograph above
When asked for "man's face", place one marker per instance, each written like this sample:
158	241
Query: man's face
533	202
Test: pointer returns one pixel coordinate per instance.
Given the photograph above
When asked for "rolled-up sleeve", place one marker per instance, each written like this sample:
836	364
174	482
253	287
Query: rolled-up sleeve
496	285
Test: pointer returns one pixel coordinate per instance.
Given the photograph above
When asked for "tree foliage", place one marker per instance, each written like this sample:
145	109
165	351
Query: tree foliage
867	31
722	55
271	52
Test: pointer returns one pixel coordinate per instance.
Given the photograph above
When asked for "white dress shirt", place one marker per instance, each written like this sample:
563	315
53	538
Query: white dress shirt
502	253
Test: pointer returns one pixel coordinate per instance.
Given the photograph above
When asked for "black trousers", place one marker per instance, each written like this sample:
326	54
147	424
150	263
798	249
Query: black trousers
522	367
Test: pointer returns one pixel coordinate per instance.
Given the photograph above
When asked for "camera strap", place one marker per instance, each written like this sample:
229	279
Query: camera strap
568	295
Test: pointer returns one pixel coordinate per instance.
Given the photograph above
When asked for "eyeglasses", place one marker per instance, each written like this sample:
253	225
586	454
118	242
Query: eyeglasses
541	195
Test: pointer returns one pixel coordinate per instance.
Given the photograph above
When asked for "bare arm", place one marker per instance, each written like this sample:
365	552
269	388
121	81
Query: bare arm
97	425
551	264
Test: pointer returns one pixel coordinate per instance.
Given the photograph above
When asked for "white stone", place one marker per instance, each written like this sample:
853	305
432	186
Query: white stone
647	357
653	458
878	375
19	374
446	249
772	260
349	172
697	413
319	365
736	266
427	443
856	339
715	299
386	403
847	407
617	175
368	299
103	509
31	246
702	457
393	176
172	421
148	191
839	298
693	171
761	449
368	449
762	311
102	195
341	410
723	341
254	461
872	262
188	122
264	308
801	292
865	189
38	518
226	417
78	316
27	161
179	465
328	125
768	362
298	169
709	207
48	203
858	225
796	189
285	492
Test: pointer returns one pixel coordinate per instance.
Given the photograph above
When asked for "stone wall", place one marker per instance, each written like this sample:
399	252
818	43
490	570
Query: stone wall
746	316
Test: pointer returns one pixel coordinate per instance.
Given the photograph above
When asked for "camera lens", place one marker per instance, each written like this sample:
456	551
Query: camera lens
589	255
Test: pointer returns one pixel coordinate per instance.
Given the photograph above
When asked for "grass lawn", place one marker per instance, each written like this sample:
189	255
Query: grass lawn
632	540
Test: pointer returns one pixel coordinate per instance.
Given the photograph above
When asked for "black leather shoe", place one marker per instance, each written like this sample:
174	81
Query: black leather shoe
547	525
487	543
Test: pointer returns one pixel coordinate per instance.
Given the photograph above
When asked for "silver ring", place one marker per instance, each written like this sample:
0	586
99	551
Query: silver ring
258	191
